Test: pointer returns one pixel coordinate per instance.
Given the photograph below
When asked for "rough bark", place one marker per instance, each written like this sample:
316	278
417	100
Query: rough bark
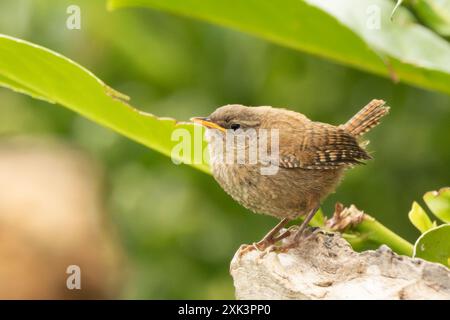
326	267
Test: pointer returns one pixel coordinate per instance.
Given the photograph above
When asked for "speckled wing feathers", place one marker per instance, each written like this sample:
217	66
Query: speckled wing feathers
321	146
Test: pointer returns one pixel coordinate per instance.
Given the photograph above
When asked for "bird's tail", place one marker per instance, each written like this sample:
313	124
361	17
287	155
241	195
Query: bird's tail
367	118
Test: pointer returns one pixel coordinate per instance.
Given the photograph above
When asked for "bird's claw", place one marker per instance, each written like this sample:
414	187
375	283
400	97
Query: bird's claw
246	248
261	246
265	246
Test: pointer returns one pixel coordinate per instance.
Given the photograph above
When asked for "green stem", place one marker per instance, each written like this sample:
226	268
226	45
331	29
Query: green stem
373	231
367	234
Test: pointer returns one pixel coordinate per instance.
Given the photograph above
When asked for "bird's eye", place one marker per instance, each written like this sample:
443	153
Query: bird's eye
235	126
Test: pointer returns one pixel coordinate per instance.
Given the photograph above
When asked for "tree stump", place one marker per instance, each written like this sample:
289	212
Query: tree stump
326	267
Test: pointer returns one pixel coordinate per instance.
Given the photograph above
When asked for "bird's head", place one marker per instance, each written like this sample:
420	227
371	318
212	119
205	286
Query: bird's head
242	135
234	117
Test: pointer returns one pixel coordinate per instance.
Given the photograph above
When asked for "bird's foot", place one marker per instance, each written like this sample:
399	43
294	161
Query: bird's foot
284	247
261	246
310	233
246	248
267	245
296	240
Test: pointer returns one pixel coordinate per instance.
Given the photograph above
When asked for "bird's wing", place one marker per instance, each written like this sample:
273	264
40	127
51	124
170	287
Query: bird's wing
319	146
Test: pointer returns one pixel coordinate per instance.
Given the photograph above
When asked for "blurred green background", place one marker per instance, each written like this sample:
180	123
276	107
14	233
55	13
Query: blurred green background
178	228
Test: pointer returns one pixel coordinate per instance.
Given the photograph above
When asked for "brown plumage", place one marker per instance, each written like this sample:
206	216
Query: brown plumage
312	158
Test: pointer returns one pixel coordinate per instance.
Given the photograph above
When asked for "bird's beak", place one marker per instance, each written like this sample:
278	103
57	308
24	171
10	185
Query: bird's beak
206	122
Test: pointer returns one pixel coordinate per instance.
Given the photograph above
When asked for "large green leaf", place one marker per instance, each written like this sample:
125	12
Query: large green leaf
342	30
44	74
434	245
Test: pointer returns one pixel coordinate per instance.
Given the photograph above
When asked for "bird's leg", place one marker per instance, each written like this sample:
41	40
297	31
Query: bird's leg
304	224
298	235
267	241
269	238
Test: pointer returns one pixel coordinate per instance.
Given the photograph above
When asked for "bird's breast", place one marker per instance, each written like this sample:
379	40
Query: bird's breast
289	192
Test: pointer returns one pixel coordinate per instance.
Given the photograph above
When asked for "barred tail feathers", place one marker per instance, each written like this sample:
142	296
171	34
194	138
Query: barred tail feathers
367	118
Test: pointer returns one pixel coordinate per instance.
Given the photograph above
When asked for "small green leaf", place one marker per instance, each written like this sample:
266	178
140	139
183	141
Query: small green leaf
434	245
419	218
439	203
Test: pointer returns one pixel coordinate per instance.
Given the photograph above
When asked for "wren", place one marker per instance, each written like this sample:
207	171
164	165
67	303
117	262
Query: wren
312	157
